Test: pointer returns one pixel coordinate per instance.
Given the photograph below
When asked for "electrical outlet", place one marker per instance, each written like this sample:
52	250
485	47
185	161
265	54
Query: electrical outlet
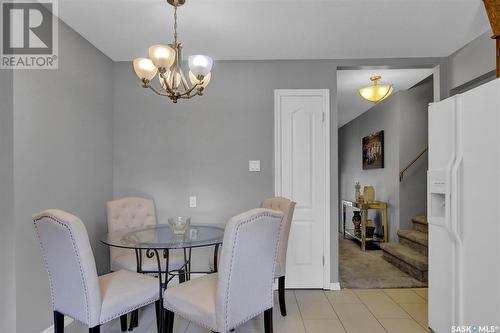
192	201
254	166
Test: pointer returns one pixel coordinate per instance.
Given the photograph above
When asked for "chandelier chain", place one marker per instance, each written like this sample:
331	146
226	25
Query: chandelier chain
175	25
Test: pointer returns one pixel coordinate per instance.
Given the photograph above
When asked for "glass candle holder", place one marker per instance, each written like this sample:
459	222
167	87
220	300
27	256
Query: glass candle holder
179	224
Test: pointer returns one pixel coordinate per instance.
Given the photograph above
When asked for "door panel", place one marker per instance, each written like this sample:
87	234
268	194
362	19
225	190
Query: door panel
302	235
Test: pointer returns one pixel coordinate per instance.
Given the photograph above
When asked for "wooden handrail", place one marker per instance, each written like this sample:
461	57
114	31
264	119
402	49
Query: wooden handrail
401	173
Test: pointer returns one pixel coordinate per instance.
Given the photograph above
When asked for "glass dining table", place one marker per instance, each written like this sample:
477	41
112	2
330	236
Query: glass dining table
157	242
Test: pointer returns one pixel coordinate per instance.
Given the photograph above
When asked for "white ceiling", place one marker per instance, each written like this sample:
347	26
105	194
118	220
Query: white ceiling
280	29
351	105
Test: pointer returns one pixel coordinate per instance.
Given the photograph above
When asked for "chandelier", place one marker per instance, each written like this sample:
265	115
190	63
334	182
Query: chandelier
376	92
165	62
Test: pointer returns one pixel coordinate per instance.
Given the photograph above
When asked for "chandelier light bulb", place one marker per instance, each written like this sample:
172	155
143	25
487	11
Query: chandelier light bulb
194	80
144	69
162	56
200	64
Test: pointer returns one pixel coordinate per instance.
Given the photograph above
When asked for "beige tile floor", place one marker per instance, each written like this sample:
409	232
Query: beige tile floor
317	311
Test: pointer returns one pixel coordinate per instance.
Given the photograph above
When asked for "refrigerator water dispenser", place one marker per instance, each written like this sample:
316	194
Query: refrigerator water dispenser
437	191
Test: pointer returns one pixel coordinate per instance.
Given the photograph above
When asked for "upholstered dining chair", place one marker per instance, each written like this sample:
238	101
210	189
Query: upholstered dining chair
130	212
133	212
76	290
243	286
287	207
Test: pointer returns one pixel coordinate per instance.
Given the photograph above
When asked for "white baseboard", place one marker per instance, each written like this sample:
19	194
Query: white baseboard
67	322
335	286
331	286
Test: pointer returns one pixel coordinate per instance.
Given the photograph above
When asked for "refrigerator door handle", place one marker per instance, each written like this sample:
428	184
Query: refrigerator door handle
456	175
452	188
456	201
449	173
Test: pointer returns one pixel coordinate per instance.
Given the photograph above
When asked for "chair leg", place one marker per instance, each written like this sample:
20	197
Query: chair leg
58	322
169	322
281	295
268	321
96	329
131	324
182	276
158	315
123	323
134	320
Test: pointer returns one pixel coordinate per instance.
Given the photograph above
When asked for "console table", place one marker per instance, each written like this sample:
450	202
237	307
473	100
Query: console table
363	208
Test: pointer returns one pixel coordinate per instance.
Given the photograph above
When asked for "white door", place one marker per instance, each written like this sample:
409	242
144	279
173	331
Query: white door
302	174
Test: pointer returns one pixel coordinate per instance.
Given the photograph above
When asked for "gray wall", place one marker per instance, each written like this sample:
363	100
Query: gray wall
202	147
7	280
403	117
472	61
413	138
383	116
63	127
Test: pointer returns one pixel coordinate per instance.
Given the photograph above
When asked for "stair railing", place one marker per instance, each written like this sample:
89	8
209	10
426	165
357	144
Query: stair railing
402	172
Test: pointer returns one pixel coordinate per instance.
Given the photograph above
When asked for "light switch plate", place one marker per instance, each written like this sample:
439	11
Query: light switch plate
254	166
192	201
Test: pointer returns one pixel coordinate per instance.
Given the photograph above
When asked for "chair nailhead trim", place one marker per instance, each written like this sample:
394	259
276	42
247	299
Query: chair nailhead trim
190	318
154	299
151	300
73	242
226	327
252	219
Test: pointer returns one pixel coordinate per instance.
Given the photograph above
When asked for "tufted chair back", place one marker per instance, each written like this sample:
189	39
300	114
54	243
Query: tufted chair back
68	258
128	213
287	207
246	271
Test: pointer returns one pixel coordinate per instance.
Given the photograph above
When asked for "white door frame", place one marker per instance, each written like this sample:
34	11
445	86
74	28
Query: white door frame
325	94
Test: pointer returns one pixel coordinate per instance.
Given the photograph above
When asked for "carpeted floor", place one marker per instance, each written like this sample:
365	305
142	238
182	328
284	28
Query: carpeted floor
368	270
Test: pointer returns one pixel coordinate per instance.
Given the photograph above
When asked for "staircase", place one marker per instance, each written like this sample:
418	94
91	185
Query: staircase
410	254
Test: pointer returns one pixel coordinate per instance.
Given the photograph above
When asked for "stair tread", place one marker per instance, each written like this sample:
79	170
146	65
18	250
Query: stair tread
421	219
416	236
406	254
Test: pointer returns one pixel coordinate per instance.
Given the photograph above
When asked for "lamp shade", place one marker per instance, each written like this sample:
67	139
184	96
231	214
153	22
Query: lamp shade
194	80
144	68
376	92
163	56
200	64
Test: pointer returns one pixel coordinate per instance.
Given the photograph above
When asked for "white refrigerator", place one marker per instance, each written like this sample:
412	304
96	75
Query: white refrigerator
464	211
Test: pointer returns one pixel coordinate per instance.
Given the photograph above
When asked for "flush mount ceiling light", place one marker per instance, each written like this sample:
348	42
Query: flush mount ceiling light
165	62
376	92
